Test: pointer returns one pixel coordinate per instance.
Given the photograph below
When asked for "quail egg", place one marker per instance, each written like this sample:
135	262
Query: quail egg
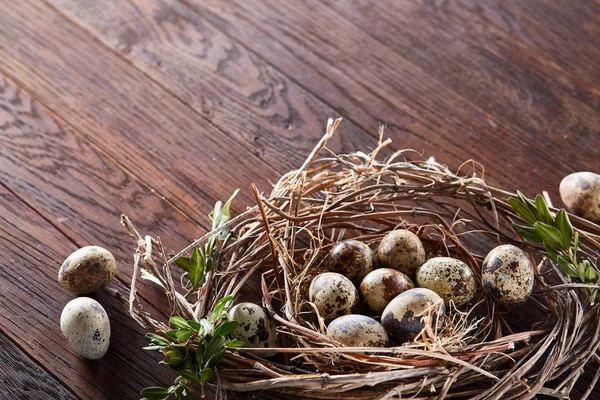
351	258
380	287
256	329
87	270
86	326
402	250
507	274
580	192
333	294
405	317
358	331
450	278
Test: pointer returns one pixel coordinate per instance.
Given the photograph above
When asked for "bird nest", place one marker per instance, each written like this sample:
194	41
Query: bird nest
483	350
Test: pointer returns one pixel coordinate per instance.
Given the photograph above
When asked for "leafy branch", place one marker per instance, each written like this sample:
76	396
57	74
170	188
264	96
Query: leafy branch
193	349
205	258
557	235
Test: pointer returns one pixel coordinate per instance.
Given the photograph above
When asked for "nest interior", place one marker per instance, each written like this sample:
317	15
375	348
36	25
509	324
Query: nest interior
481	351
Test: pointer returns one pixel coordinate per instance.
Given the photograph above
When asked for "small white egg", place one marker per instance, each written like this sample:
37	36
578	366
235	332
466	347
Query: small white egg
86	326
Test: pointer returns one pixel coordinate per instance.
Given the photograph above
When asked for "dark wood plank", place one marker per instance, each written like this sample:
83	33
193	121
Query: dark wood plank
118	108
568	32
232	88
32	302
23	379
77	187
382	81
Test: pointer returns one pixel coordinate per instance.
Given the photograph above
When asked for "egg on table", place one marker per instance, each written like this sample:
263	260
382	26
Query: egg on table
402	250
381	286
333	295
86	326
508	275
406	315
351	258
450	278
358	331
87	270
255	328
580	192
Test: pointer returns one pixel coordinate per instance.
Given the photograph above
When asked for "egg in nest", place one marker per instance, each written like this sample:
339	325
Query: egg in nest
256	329
358	331
402	250
381	286
450	278
351	258
580	192
333	295
508	275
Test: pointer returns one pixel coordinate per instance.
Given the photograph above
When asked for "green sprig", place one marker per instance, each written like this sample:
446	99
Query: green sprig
558	237
195	366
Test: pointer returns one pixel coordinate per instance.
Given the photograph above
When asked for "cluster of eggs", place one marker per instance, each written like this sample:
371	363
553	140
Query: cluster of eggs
398	284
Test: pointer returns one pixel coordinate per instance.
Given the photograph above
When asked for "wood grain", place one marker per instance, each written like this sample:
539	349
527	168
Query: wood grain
459	125
32	302
567	32
23	379
120	110
229	86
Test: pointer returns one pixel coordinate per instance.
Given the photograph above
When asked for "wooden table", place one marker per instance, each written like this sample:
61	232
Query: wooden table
158	108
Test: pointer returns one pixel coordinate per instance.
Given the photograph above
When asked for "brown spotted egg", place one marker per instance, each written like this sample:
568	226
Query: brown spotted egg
452	279
87	270
256	329
351	258
358	331
333	294
507	274
405	317
580	192
402	250
381	286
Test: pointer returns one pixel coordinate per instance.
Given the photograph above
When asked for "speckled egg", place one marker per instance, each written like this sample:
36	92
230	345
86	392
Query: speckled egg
86	326
450	278
580	192
358	331
333	294
507	274
401	250
87	270
256	328
381	286
351	258
405	317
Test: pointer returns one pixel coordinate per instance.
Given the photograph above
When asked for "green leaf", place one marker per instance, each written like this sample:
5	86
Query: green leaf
575	244
172	333
173	357
205	375
196	271
227	207
522	210
155	393
564	226
528	233
552	253
188	374
235	343
590	275
529	204
581	270
183	263
157	339
220	305
225	328
214	346
179	322
213	360
566	266
183	334
550	235
195	325
543	210
200	352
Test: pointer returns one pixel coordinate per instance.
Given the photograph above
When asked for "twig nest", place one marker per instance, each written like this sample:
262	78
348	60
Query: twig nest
256	329
381	286
580	192
452	279
406	315
86	326
402	250
508	275
351	258
358	331
333	294
87	270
